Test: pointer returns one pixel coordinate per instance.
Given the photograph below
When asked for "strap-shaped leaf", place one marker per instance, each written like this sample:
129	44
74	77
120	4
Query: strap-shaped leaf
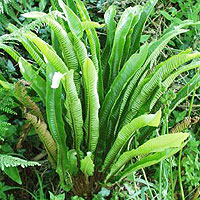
148	161
91	33
64	41
37	82
168	81
92	104
71	5
80	49
44	135
138	100
130	87
127	72
186	91
74	110
122	30
72	19
127	132
154	145
55	122
29	46
128	46
32	50
94	47
91	25
14	54
157	46
51	56
110	30
147	8
129	115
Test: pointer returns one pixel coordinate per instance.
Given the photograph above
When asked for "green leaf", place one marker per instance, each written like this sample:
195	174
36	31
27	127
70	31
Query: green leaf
10	161
13	173
91	25
148	161
166	15
127	46
122	30
94	47
34	15
185	91
29	46
14	54
157	46
169	80
110	33
179	116
50	55
71	5
56	124
74	109
147	9
127	132
72	19
140	98
80	49
87	165
37	82
127	72
73	162
57	197
92	104
154	145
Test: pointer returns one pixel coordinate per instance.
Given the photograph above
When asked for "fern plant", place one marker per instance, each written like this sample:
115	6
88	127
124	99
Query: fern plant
6	107
97	100
8	163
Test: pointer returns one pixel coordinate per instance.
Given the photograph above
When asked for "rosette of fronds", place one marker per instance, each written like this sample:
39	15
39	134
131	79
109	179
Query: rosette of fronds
96	100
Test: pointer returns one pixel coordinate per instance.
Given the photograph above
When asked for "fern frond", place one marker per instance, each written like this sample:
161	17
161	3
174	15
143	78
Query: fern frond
184	124
163	72
6	102
45	137
10	161
4	126
74	110
25	100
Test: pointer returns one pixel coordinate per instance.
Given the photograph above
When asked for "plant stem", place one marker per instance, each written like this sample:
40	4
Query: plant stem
172	178
160	180
197	194
145	177
135	186
191	103
164	127
179	175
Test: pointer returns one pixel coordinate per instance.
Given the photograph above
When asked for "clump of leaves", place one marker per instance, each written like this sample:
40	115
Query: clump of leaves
97	100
